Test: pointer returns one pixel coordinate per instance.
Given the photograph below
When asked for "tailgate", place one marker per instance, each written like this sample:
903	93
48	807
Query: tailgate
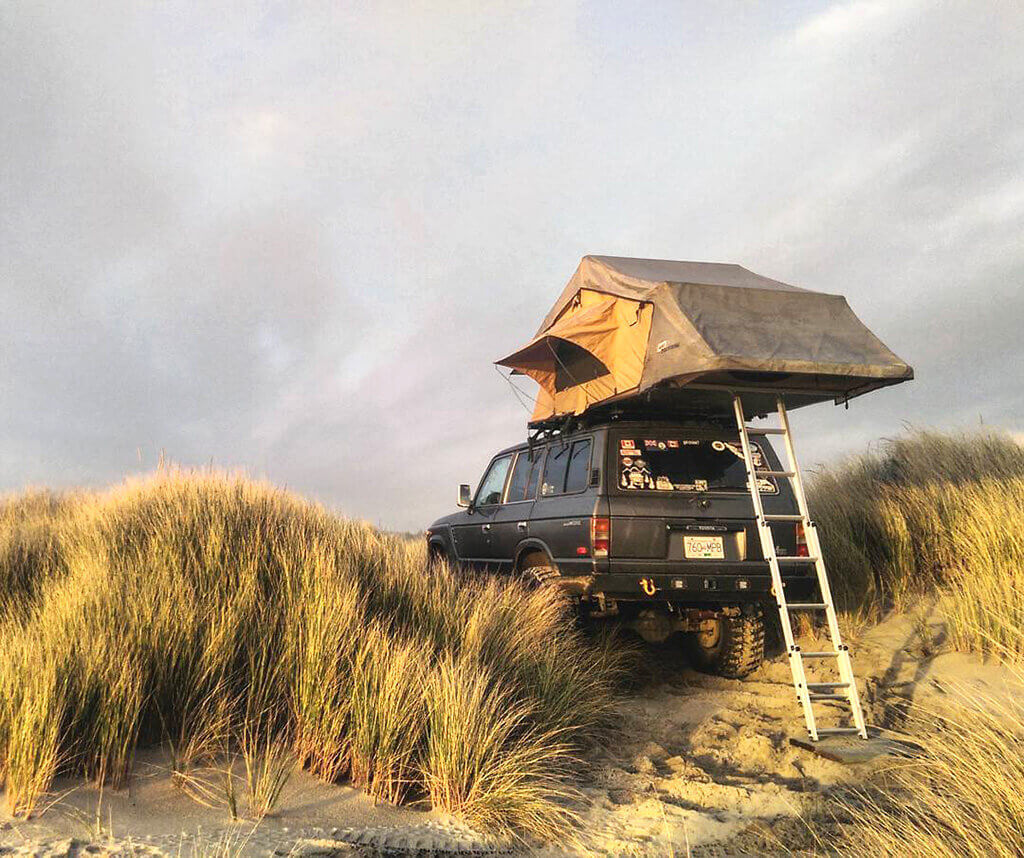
678	539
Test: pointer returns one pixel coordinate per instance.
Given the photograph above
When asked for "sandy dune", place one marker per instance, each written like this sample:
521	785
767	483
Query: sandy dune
699	760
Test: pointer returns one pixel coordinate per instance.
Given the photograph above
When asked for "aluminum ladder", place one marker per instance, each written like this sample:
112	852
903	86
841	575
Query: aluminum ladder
807	692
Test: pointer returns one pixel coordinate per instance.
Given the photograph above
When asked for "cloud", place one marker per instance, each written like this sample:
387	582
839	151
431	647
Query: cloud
292	238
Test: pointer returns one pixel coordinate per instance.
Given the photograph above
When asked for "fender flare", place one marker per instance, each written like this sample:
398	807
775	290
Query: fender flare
528	545
442	540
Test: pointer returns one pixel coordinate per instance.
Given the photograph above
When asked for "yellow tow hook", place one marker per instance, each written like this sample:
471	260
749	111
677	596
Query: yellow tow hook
647	585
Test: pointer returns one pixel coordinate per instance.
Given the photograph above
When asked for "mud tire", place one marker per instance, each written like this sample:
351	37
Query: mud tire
738	650
538	575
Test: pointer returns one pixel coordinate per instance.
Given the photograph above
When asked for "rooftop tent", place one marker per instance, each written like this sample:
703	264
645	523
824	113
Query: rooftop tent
675	333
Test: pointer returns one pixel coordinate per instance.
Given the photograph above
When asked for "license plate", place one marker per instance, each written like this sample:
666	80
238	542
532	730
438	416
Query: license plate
703	547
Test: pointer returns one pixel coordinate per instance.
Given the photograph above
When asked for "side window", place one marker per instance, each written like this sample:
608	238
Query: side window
493	482
579	466
523	483
555	469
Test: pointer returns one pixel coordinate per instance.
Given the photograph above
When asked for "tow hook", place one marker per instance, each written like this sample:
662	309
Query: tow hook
647	585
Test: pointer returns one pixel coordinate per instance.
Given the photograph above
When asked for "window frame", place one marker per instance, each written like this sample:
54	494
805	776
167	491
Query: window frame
541	460
586	470
590	463
755	441
487	473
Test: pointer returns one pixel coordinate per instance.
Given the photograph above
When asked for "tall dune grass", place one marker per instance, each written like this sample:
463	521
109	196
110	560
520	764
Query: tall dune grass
962	794
923	512
227	617
936	515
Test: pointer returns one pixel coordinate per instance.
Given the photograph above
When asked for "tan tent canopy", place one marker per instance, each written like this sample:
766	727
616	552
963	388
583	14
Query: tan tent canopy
623	327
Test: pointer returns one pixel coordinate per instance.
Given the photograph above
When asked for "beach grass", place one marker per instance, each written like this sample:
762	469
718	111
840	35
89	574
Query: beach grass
929	514
233	620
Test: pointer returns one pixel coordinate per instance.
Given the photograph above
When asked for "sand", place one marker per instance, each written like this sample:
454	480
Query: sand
699	760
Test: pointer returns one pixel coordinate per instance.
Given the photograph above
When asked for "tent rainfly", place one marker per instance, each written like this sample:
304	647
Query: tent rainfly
625	327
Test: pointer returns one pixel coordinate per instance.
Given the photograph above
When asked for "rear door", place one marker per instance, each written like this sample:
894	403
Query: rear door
566	503
681	495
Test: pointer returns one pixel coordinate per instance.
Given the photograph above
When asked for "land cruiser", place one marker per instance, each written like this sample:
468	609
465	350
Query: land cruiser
646	522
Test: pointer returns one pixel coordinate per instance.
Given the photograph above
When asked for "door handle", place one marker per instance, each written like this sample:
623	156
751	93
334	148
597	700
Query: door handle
485	527
522	525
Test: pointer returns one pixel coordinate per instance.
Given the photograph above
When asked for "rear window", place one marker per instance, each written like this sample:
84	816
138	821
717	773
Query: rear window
677	464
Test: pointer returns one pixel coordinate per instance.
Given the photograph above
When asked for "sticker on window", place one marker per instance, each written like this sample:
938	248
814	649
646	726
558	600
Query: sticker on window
688	465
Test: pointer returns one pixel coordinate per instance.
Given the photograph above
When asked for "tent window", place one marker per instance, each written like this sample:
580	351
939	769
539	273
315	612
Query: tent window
575	365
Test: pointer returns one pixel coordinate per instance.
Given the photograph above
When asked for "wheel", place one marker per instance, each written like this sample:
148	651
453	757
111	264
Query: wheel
539	574
729	646
536	568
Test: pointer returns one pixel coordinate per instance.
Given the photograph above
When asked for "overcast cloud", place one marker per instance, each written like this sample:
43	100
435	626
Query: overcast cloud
291	237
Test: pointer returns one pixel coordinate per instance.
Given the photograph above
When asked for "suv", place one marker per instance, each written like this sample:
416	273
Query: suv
646	522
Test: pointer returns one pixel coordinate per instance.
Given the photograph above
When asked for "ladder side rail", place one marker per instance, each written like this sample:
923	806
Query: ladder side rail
810	532
797	478
843	661
768	550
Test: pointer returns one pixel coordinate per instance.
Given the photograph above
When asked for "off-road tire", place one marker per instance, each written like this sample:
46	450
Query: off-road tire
738	650
535	568
539	574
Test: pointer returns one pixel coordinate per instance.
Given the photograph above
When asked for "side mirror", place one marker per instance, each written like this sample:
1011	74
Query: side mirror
465	497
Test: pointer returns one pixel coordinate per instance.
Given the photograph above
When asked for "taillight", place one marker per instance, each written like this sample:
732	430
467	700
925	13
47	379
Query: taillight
600	536
801	541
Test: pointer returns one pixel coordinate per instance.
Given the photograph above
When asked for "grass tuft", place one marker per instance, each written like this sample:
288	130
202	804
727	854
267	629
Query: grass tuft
924	513
233	620
963	795
485	758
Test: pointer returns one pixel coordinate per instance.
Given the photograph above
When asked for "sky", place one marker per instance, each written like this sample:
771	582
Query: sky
291	238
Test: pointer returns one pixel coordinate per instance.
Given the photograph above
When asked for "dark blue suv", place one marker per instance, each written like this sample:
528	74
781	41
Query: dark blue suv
646	522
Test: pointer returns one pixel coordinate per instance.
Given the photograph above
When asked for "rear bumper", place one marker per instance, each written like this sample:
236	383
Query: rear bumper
711	582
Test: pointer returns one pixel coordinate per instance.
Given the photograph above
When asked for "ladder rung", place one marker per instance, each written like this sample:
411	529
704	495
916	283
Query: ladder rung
774	473
816	686
770	430
771	517
836	731
818	696
819	655
807	606
786	559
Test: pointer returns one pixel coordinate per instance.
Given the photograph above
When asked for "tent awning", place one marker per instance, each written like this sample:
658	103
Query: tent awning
594	350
